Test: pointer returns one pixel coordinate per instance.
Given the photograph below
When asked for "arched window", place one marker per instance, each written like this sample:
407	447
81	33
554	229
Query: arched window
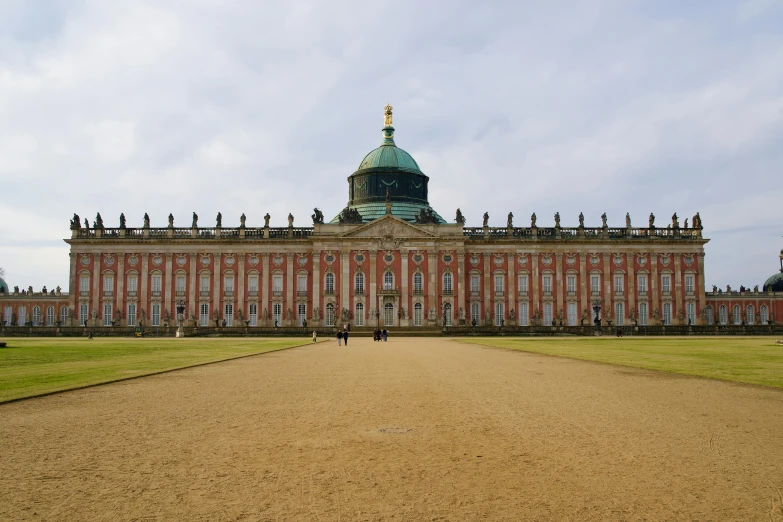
763	315
359	283
722	314
447	288
737	316
64	315
388	281
417	313
50	316
388	314
447	315
417	283
22	316
330	312
708	315
359	315
750	314
329	283
7	316
36	316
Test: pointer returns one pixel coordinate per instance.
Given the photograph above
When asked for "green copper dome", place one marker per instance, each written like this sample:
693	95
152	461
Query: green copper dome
389	156
774	283
4	285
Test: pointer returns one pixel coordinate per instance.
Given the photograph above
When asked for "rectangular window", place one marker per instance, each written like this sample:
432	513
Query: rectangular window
417	313
50	316
723	315
708	314
84	284
524	319
417	283
228	314
228	285
547	284
474	283
156	283
204	314
301	313
689	283
547	314
277	285
83	314
301	284
108	284
181	285
666	283
475	313
619	313
133	284
156	314
252	284
642	284
132	314
359	315
205	285
253	314
595	284
643	314
571	284
499	285
618	284
690	310
277	314
63	316
107	314
571	314
667	313
523	285
499	314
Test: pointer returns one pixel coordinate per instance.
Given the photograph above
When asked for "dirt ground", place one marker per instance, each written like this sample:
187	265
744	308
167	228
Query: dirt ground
411	429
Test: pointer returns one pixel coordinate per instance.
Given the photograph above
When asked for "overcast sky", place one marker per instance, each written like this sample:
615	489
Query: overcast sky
255	106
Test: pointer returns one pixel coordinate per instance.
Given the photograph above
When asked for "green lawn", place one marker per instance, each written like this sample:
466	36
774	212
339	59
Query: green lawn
33	366
752	360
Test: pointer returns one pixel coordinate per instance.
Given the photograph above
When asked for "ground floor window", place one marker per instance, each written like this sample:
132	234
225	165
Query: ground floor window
50	316
7	316
359	315
690	311
36	316
751	314
228	314
132	314
277	313
667	313
763	314
107	314
708	315
737	314
417	313
388	314
330	314
643	314
204	314
523	314
64	315
83	314
475	313
547	314
447	315
301	312
22	316
619	312
156	314
499	314
571	314
253	314
723	315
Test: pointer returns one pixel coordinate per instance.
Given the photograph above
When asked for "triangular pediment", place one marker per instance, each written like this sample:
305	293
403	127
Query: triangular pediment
388	227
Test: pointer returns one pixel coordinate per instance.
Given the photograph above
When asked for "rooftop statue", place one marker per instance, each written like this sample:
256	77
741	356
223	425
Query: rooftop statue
122	220
675	223
628	219
426	215
266	220
98	221
242	220
290	219
76	222
581	220
146	220
387	116
686	223
533	220
557	219
486	219
460	219
86	224
194	224
171	220
350	216
219	220
603	220
697	221
318	216
652	220
510	220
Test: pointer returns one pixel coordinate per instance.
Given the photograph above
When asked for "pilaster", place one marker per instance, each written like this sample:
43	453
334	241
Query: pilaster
460	283
679	290
167	308
534	284
73	292
289	291
584	289
265	280
241	305
488	294
373	303
559	282
144	304
216	284
405	297
655	298
631	262
97	309
317	304
608	290
510	289
702	297
121	288
345	280
193	290
432	285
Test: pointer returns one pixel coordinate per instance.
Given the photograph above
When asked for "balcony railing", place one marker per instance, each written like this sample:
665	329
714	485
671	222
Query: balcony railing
522	293
389	290
475	293
131	293
156	293
301	293
179	292
252	293
358	291
108	293
448	292
204	293
84	292
329	291
499	293
228	293
418	291
277	293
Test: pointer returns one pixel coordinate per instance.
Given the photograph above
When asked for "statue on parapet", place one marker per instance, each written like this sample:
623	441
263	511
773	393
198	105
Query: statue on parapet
486	219
349	216
318	216
219	220
98	221
460	219
651	222
122	221
756	288
171	220
557	219
86	224
697	221
194	224
603	220
266	220
242	220
628	220
714	288
510	220
533	220
581	220
426	216
290	220
76	222
675	222
146	220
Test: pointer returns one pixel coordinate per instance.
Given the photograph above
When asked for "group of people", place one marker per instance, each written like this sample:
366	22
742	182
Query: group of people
380	335
342	335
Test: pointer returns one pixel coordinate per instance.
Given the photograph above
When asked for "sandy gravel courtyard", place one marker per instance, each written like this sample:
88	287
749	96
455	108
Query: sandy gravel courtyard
411	429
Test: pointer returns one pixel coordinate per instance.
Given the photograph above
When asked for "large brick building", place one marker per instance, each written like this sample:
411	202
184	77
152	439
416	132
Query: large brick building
389	259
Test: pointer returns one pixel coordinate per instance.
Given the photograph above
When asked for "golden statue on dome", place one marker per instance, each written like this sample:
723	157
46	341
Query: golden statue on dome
387	120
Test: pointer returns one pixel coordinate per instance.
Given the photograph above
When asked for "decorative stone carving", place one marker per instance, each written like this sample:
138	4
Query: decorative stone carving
628	219
194	224
581	220
651	222
510	220
76	222
533	220
290	220
349	216
486	219
675	222
146	220
171	220
557	219
219	220
318	216
98	221
122	221
426	216
460	219
603	220
266	220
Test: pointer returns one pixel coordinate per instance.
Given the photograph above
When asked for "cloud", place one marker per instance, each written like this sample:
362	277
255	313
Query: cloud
250	107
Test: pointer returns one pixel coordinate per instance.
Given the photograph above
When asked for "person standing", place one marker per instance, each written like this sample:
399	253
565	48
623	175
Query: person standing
345	337
314	336
339	338
385	334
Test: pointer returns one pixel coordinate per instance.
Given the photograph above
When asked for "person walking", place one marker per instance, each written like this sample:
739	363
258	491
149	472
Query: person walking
345	337
385	334
314	336
339	338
